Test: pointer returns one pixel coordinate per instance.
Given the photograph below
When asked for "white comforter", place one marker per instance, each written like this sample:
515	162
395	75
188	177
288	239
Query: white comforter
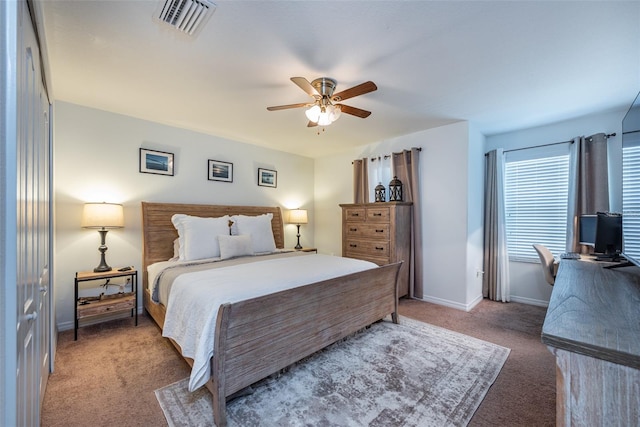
195	298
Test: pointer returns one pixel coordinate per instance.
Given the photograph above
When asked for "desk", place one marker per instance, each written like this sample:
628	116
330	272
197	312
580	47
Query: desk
592	326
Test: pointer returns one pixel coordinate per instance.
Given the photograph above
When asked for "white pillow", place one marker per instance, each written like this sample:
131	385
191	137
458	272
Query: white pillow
198	237
233	246
259	228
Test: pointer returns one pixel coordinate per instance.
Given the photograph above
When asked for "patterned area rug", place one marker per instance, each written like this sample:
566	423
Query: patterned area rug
412	374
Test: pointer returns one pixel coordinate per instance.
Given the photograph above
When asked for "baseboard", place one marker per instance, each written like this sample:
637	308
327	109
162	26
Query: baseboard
478	299
530	301
65	326
453	304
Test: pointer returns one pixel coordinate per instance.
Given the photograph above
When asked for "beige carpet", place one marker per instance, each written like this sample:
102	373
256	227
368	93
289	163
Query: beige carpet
412	374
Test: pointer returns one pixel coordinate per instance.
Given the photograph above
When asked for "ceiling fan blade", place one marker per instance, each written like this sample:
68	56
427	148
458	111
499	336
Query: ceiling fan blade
311	124
354	111
306	86
361	89
284	107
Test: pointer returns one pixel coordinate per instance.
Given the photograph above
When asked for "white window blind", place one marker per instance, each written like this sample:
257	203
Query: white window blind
536	197
631	199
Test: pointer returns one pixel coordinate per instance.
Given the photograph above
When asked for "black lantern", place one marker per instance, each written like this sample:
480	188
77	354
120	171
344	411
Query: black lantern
395	190
380	193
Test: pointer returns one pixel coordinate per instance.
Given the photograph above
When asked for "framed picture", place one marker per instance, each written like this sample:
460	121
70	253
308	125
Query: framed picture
157	162
220	171
267	178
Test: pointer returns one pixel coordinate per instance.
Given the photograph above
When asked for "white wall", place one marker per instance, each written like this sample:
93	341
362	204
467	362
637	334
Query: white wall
96	158
527	282
451	211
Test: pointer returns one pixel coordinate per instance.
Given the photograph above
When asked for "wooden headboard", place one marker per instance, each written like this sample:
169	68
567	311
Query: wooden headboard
158	233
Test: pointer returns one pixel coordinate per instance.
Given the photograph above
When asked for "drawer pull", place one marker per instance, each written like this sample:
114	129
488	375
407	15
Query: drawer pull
353	245
355	214
379	231
353	229
378	248
377	214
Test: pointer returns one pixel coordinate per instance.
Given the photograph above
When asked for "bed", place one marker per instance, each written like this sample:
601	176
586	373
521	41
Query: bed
256	337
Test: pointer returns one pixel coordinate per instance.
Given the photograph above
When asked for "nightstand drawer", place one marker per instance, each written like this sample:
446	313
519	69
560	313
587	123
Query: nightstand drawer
373	231
107	305
370	248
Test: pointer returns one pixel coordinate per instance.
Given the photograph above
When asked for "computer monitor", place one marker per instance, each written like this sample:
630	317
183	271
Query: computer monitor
603	232
587	229
608	234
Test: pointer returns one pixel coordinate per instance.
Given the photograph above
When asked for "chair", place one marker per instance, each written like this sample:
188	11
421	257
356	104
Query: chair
549	265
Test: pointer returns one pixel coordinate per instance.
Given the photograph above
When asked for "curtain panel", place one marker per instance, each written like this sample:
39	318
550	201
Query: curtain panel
361	181
406	166
588	184
495	281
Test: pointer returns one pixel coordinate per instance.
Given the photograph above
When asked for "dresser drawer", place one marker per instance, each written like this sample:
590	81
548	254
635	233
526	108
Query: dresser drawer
378	214
365	257
372	231
370	248
355	214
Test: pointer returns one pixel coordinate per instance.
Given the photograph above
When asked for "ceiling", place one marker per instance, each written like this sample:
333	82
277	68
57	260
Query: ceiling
502	65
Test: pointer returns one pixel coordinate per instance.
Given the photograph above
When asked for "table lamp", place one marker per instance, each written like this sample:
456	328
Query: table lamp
103	217
298	217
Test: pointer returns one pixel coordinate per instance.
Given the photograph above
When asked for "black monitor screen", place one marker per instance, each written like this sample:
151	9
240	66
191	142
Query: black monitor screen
608	234
588	230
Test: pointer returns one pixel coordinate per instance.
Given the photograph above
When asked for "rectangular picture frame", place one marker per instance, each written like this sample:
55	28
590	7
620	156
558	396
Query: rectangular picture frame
156	162
219	171
267	178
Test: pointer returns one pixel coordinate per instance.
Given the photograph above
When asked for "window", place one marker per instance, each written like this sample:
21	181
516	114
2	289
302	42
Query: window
631	197
536	198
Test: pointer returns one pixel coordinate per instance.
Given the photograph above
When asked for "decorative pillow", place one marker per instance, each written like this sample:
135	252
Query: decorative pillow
259	228
176	250
198	237
233	246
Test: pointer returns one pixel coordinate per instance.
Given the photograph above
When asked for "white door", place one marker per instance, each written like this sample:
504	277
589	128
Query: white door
32	227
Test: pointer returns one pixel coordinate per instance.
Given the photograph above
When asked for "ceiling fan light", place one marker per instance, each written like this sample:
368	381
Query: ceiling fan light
324	119
334	113
313	113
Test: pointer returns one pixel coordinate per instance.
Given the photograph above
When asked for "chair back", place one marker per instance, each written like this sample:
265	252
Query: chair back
547	261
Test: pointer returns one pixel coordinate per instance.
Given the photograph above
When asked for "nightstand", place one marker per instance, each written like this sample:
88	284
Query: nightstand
94	306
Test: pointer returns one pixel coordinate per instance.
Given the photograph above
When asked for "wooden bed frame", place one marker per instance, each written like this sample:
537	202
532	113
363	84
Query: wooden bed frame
258	337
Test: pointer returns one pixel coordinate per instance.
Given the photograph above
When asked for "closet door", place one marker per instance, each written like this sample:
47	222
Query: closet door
33	234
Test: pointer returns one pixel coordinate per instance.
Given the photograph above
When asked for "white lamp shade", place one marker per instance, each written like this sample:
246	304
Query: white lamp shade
298	216
313	113
102	215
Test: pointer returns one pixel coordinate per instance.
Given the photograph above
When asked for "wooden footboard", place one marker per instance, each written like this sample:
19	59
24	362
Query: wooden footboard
258	337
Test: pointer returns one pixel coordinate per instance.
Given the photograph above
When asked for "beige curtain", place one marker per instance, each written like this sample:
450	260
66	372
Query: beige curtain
406	167
495	281
361	181
588	184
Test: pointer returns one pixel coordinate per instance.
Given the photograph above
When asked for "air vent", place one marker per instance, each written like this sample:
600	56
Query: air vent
187	16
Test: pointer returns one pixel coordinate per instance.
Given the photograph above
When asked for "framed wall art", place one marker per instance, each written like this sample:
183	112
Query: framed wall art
220	171
156	162
267	178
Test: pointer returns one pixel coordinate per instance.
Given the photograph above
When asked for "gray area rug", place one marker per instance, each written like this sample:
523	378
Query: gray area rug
412	374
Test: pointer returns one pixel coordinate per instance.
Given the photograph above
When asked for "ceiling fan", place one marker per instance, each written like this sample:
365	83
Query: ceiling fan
327	107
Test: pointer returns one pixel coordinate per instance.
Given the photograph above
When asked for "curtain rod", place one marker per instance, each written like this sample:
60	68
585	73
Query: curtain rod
607	136
386	156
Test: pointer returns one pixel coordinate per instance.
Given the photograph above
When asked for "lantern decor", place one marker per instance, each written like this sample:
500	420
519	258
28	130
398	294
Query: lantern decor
395	190
380	193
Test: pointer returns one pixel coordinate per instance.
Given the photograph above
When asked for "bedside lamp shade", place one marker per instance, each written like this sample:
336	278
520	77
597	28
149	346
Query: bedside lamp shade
297	217
102	216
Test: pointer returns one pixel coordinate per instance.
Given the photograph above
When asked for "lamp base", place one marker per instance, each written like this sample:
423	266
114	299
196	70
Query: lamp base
103	266
298	246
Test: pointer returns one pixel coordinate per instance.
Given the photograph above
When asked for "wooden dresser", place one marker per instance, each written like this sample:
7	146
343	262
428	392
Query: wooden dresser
593	328
379	232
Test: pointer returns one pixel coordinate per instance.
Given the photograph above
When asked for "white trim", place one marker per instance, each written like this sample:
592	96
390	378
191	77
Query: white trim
452	304
530	301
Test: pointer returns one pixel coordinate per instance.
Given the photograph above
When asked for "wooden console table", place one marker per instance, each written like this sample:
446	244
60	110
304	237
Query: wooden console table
592	326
